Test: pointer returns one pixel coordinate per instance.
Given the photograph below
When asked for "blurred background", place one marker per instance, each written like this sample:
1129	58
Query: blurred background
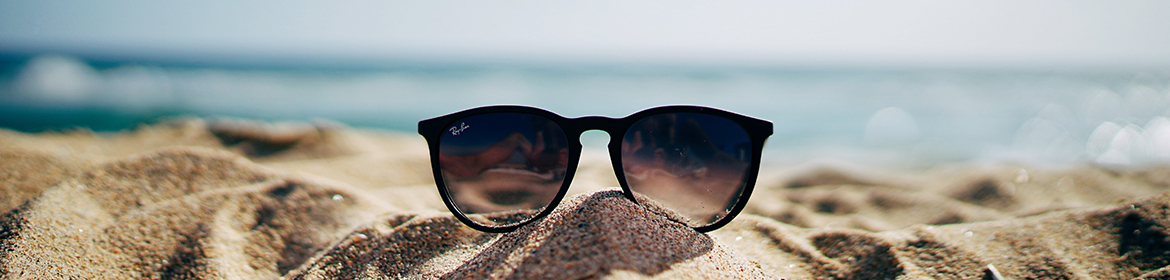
912	83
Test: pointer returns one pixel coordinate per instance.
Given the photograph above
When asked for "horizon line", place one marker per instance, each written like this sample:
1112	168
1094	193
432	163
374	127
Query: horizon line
358	62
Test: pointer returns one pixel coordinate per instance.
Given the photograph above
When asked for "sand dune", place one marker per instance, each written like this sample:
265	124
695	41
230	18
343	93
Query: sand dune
244	199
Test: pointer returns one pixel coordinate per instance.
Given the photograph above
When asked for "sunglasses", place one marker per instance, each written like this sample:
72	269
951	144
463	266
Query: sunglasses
501	167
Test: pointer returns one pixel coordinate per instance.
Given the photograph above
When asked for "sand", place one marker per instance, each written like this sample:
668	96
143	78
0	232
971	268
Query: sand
242	199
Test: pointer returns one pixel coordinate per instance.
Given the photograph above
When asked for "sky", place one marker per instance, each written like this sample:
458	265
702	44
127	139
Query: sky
996	33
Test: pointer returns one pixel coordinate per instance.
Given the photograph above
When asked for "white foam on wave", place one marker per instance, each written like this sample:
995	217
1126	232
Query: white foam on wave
891	127
1130	145
57	78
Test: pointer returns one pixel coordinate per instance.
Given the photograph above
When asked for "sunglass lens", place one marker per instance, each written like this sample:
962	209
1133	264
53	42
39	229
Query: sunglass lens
502	169
692	163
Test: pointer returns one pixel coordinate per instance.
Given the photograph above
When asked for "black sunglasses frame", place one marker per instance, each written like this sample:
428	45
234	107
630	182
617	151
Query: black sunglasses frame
431	129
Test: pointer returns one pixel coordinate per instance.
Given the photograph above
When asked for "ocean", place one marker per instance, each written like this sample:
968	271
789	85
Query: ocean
902	117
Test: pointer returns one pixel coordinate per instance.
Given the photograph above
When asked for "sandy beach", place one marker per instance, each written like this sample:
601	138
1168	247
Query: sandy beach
237	199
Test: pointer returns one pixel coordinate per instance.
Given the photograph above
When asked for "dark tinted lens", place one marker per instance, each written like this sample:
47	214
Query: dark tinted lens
503	168
694	164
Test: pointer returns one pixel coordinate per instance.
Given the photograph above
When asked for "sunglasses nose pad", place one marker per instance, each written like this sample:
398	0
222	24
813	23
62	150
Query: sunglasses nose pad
502	169
691	163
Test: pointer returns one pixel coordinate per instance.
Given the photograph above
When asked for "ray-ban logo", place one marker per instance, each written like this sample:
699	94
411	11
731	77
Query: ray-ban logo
456	130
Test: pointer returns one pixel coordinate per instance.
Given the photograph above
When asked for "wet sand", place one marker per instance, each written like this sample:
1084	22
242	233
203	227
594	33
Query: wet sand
242	199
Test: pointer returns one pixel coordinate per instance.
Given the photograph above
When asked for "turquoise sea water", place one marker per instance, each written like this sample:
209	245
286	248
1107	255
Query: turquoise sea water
896	116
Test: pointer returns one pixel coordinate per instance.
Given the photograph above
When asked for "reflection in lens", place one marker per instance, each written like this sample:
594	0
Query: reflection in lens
694	164
503	168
